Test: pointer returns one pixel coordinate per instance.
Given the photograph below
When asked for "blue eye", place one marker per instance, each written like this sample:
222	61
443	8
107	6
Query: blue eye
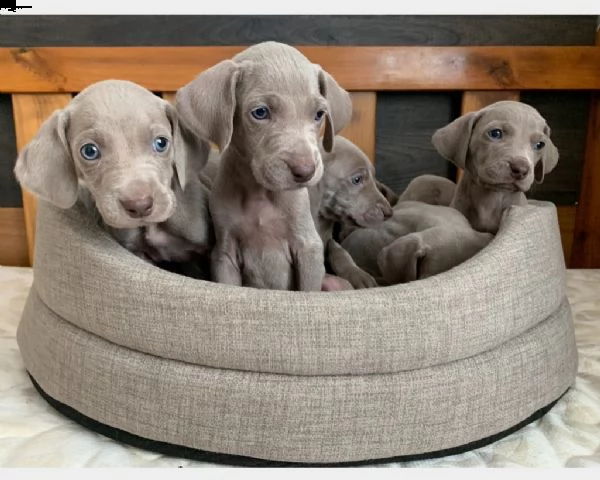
160	144
260	113
90	152
356	179
319	115
495	133
538	145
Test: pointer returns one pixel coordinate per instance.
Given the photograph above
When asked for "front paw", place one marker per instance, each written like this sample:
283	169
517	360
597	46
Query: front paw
361	279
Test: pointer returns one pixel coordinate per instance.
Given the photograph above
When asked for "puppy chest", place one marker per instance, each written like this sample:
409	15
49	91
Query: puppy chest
262	221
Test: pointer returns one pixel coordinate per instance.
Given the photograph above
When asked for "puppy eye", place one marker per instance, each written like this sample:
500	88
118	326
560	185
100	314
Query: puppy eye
356	179
260	113
90	152
538	145
495	134
160	144
319	115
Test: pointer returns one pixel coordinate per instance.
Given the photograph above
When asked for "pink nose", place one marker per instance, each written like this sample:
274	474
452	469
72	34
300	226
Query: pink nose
137	207
519	168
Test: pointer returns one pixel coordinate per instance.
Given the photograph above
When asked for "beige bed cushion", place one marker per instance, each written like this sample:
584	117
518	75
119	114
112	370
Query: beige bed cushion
90	281
300	418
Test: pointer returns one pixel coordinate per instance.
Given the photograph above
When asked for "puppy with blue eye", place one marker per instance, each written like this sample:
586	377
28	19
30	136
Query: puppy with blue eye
503	149
264	109
128	156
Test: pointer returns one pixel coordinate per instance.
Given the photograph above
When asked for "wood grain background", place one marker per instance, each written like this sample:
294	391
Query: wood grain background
405	121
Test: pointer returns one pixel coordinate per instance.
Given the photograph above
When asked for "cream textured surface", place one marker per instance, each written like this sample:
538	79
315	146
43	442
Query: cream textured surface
33	434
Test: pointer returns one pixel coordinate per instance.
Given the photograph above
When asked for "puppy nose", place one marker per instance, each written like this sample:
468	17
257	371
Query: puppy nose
303	171
137	207
519	168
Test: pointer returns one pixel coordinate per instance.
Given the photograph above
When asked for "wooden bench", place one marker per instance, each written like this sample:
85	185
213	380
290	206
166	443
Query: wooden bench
41	80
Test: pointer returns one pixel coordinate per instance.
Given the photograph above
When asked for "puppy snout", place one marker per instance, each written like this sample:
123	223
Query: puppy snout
137	207
519	168
303	170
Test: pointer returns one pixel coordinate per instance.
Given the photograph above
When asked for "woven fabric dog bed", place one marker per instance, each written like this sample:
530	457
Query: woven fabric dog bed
247	376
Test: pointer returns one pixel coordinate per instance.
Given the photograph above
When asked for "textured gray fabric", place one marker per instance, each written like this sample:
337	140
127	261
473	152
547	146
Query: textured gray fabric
516	282
300	418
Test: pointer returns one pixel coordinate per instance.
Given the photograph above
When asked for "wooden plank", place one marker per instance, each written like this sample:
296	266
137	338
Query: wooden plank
361	129
70	69
147	29
29	112
13	239
586	242
473	101
566	222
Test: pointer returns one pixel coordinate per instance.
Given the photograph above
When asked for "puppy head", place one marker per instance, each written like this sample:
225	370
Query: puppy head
351	194
123	143
270	103
504	146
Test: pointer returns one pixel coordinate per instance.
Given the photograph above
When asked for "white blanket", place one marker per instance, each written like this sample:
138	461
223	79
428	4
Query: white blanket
32	434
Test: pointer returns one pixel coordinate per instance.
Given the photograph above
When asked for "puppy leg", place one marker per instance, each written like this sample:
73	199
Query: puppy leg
224	264
399	262
344	266
310	265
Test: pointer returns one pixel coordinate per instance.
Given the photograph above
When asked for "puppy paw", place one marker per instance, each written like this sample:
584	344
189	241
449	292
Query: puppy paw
361	279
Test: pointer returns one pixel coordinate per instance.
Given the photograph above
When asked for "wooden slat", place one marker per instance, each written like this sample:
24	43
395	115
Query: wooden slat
361	129
13	239
70	69
586	242
472	101
29	112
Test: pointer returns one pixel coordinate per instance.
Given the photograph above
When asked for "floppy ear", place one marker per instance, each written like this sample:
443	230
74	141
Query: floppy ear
340	107
45	166
207	103
190	151
549	159
452	141
387	192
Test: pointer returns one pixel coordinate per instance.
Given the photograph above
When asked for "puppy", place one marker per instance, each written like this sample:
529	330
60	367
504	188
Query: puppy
420	240
127	155
348	194
431	189
502	148
264	109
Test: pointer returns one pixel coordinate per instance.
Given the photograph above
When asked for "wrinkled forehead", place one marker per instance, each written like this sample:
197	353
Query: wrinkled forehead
285	75
519	117
118	112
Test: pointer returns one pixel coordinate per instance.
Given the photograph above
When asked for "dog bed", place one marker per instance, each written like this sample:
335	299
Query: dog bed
258	377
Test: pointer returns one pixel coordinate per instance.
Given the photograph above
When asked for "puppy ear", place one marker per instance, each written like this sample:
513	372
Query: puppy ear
45	166
452	141
339	113
387	192
549	158
400	261
208	103
190	151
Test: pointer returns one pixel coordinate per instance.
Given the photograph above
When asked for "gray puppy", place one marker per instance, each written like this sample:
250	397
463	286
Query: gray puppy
264	109
126	154
347	194
420	240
